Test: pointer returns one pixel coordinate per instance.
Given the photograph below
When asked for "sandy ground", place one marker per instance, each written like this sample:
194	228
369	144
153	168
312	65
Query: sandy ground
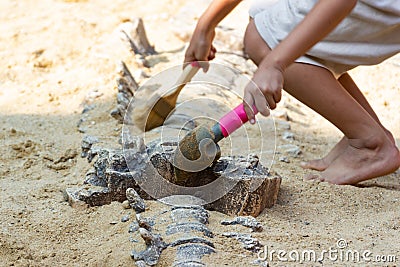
59	56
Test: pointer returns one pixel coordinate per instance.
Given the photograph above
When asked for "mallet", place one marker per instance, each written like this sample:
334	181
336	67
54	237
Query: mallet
199	149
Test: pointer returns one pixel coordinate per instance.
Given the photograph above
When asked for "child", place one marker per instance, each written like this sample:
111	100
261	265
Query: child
307	47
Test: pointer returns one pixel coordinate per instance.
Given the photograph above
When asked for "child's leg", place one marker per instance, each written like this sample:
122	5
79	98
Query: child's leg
347	82
370	152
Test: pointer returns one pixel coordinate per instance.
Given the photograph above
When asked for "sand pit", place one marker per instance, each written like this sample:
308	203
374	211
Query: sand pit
59	59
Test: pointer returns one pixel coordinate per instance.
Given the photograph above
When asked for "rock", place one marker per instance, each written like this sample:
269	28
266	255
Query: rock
245	187
287	136
188	227
189	264
194	213
291	150
284	159
261	263
125	218
86	109
71	195
125	204
87	143
246	221
146	223
141	263
282	125
110	177
82	197
135	201
251	187
242	200
182	225
187	240
192	253
247	240
135	143
163	166
133	227
92	95
280	114
155	246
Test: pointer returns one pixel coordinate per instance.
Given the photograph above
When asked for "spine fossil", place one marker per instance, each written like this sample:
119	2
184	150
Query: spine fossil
182	229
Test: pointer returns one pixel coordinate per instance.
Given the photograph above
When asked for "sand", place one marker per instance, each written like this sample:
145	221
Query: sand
59	57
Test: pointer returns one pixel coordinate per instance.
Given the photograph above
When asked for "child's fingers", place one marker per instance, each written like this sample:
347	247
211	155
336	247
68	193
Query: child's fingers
205	65
262	105
211	56
278	96
248	102
260	100
254	96
270	102
189	58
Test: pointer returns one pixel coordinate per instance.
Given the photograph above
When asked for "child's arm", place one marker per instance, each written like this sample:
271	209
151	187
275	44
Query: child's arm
200	47
318	23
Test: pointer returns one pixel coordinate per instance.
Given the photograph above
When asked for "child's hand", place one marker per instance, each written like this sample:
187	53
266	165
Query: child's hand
200	47
265	90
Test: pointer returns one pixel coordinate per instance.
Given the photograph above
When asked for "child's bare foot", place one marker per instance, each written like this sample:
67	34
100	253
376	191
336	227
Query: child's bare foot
337	150
323	163
362	161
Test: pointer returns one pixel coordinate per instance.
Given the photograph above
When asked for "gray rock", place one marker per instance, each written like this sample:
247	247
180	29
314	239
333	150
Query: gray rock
125	218
194	213
287	136
133	227
246	221
141	263
143	222
282	125
183	225
284	159
154	247
87	143
110	177
195	239
248	242
193	252
189	264
82	197
261	263
246	177
188	227
135	201
291	150
135	143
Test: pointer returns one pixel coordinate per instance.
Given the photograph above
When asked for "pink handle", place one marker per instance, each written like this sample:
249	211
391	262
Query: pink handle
234	119
195	64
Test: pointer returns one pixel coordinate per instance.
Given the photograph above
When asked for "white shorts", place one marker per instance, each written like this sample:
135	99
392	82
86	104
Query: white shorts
367	36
